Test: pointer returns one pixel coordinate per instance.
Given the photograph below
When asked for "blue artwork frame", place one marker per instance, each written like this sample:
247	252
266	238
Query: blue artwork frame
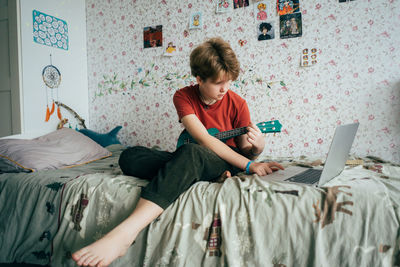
49	30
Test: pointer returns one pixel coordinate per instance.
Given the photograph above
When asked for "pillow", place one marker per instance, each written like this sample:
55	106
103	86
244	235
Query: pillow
103	139
59	149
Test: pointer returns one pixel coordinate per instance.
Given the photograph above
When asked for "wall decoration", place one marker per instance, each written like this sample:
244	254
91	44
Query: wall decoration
52	78
308	57
223	6
355	79
242	42
196	20
290	25
152	36
185	33
148	77
260	10
266	31
287	6
240	3
170	50
49	30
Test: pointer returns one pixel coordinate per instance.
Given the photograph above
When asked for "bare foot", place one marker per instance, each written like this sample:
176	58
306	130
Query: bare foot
224	176
116	243
105	250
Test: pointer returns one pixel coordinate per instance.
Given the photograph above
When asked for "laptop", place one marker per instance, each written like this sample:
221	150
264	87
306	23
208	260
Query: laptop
334	164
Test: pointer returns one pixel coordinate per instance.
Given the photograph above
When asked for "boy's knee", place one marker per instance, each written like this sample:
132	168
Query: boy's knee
193	150
128	160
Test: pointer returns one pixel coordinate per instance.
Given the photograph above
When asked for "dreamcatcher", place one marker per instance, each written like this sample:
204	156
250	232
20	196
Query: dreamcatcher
51	78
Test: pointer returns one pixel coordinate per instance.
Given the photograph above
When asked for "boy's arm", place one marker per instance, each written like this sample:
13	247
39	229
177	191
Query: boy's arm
197	130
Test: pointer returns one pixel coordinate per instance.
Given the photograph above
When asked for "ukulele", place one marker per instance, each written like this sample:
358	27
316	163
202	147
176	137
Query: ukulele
265	127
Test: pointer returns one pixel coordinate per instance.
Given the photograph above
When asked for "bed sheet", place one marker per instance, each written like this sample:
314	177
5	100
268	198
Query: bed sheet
244	221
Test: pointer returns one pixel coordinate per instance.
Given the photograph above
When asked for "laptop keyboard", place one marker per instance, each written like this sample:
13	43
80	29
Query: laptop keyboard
309	176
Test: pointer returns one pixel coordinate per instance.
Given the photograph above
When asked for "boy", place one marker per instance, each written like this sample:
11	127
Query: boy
208	104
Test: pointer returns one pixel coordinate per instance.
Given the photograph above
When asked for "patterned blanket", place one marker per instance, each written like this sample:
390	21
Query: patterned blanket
245	221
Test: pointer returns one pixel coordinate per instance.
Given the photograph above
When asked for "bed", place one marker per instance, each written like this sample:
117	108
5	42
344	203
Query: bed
45	215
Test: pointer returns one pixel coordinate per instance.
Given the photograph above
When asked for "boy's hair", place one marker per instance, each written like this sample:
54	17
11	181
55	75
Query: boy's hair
214	58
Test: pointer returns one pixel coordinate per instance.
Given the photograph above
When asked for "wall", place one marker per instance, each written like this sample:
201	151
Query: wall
357	77
72	64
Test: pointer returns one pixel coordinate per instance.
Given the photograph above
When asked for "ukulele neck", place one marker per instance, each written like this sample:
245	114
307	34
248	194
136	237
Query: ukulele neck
231	133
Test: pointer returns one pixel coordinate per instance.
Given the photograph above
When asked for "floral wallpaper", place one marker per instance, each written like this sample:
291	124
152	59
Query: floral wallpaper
356	77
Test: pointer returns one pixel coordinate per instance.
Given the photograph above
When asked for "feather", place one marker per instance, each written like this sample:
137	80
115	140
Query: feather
52	108
47	114
59	113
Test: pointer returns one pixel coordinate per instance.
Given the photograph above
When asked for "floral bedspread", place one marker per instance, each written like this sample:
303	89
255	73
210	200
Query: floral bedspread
244	221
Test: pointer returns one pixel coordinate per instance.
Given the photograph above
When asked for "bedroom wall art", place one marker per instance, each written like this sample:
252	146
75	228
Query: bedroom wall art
49	30
356	79
63	25
196	20
152	36
223	6
51	76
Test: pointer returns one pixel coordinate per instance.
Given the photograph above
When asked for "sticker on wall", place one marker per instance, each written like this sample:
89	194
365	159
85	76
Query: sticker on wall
170	50
287	6
152	36
242	42
223	6
260	10
290	25
49	30
185	33
196	20
266	31
308	57
240	3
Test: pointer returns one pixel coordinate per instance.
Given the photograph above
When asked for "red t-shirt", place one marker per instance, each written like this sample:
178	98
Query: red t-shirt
229	113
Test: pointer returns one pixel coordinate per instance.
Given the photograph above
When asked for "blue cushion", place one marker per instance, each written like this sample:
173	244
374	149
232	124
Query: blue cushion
103	139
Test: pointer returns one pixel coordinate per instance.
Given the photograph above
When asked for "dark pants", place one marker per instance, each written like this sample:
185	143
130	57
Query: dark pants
171	174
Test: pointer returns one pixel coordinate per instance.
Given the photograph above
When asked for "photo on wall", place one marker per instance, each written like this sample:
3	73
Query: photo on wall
240	3
170	50
223	6
261	10
196	20
287	6
152	36
266	31
290	25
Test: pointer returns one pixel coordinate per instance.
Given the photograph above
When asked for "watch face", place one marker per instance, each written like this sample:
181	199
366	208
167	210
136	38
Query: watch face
51	76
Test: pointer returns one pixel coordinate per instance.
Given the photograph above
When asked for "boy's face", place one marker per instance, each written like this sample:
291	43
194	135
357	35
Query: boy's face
214	90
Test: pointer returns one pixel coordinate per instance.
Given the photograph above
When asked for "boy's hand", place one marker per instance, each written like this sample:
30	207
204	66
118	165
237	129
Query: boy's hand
256	139
264	168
